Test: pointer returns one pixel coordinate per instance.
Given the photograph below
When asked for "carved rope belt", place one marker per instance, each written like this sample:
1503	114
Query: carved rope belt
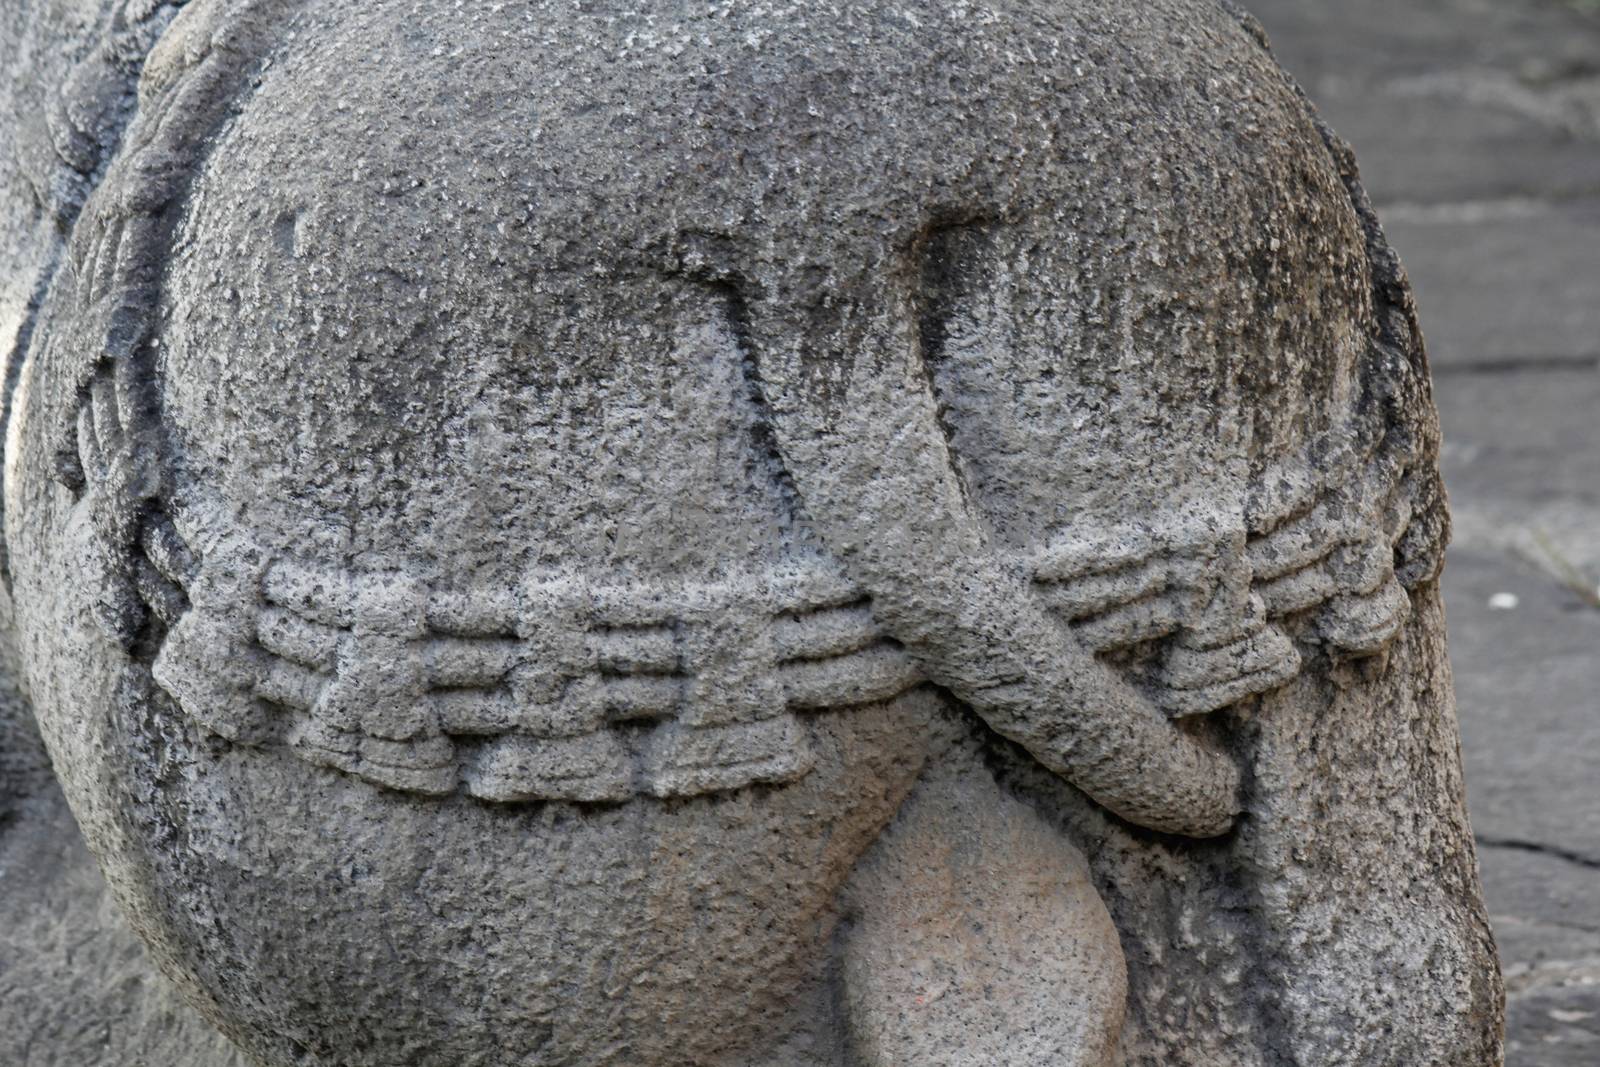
565	689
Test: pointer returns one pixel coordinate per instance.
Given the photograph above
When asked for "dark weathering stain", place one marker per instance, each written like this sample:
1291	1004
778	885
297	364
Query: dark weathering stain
285	232
945	256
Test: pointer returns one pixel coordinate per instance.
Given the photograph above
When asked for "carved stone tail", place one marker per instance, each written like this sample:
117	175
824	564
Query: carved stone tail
857	424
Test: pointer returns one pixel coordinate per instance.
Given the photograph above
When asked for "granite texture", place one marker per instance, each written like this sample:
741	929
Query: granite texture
739	534
1475	125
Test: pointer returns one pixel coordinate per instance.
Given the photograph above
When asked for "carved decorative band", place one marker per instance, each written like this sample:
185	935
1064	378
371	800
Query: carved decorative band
559	689
565	688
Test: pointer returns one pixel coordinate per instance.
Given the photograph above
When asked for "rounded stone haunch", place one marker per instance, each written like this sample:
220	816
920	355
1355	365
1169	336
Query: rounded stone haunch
738	534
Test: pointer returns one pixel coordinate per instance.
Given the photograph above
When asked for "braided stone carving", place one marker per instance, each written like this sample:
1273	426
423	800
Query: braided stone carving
519	694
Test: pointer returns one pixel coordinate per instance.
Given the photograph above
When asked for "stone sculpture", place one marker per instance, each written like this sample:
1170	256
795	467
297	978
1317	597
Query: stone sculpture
733	533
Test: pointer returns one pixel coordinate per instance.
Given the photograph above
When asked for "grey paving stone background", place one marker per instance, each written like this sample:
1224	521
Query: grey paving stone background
1478	126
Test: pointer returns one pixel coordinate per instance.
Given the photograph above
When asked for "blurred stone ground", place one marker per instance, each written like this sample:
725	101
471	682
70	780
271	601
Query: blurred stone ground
1477	123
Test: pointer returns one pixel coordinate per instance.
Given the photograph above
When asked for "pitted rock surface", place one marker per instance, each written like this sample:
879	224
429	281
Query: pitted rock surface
742	533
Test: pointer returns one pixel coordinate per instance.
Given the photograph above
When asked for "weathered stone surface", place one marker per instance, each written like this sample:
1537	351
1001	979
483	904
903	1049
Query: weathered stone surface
76	985
1475	121
1478	129
747	534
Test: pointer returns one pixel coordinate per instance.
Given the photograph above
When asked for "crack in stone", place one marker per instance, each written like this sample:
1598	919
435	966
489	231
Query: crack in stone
1520	845
1518	365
